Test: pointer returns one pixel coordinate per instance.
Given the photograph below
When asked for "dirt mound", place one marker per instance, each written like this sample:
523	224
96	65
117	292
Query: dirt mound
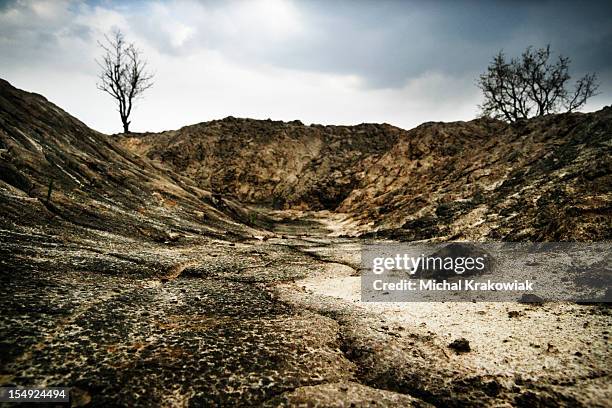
545	179
58	173
283	164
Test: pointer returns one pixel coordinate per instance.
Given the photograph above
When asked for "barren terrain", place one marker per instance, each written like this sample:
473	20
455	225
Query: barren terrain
218	265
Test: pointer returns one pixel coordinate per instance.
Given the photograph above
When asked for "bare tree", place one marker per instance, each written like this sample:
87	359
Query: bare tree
123	74
532	86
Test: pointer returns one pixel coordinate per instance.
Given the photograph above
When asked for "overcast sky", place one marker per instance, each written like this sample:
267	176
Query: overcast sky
331	62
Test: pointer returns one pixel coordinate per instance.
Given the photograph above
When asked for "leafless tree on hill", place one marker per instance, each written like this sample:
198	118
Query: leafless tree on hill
123	75
532	86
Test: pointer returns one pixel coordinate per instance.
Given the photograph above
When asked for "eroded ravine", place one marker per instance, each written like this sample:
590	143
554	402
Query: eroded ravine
137	283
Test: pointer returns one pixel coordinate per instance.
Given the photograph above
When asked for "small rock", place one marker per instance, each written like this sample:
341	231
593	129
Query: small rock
531	298
79	397
460	345
173	236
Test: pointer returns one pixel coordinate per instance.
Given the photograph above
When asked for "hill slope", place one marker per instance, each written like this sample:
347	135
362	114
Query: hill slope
63	183
544	179
270	162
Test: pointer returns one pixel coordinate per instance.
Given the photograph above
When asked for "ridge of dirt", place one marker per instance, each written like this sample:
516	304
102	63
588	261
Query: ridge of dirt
546	179
279	164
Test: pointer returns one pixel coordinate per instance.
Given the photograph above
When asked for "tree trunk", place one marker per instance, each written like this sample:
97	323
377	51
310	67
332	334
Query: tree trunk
126	126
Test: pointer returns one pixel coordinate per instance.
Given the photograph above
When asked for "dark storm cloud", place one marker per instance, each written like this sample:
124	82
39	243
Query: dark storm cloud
389	42
384	42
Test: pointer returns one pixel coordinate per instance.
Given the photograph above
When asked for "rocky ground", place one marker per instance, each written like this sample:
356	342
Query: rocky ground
461	354
279	323
140	284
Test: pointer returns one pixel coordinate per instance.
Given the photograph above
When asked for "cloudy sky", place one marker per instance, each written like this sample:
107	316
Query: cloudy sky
332	62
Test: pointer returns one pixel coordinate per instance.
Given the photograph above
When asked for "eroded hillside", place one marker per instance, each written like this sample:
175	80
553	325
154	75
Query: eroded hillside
547	179
544	179
56	169
286	165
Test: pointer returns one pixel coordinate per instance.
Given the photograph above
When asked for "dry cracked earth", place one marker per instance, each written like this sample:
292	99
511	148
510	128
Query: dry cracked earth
139	284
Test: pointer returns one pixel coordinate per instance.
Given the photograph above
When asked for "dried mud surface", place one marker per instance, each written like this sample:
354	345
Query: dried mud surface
279	323
552	354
